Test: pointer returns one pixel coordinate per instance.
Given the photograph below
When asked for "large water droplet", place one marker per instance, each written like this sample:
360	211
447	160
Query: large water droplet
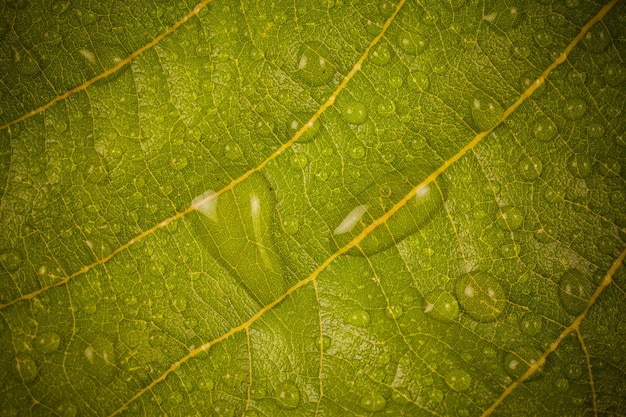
359	318
575	108
11	259
313	65
579	165
417	80
441	306
458	379
376	200
486	112
516	363
372	402
236	229
511	219
481	296
381	55
531	323
530	168
26	368
287	395
574	291
354	112
48	342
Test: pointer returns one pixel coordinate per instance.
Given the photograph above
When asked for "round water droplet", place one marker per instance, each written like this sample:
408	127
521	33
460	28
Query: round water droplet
178	304
313	65
411	42
614	74
381	55
573	371
48	342
545	130
287	395
26	368
222	408
232	151
395	81
574	291
486	112
354	113
100	359
481	296
598	38
510	250
561	385
385	107
441	306
511	219
394	311
531	323
400	396
516	363
530	168
575	108
552	196
544	38
384	358
299	161
458	379
360	318
543	236
417	80
372	402
357	152
11	259
66	409
290	225
579	165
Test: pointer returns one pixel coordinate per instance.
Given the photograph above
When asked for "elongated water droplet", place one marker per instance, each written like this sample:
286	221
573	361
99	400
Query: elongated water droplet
236	229
359	318
26	368
313	64
311	131
372	402
481	296
288	395
574	291
441	306
100	359
290	225
597	39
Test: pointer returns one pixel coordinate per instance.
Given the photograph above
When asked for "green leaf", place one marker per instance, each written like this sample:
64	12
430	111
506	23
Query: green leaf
306	208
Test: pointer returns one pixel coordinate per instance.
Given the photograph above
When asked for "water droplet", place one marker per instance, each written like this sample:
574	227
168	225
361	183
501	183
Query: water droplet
66	409
530	168
178	304
545	130
100	356
359	318
232	151
516	363
521	52
400	396
395	81
411	42
510	250
222	408
354	113
441	306
614	74
309	134
486	112
11	259
357	152
573	371
290	225
561	385
531	323
238	227
26	368
287	395
574	291
385	107
598	38
544	38
381	55
48	342
458	379
299	161
510	220
481	296
543	236
313	65
372	402
179	163
417	80
575	108
552	196
579	165
326	342
394	311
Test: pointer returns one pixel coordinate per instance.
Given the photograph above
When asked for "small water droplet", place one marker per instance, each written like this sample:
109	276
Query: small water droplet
411	42
310	132
354	113
48	342
290	224
579	165
232	151
372	402
178	304
598	38
574	291
395	81
287	395
299	161
313	64
400	396
544	38
223	408
11	259
510	250
481	296
441	306
575	108
384	358
458	379
357	152
381	55
573	371
511	219
326	342
545	130
417	80
385	107
614	74
359	318
66	409
543	236
26	368
530	168
531	323
486	112
394	311
517	362
552	196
